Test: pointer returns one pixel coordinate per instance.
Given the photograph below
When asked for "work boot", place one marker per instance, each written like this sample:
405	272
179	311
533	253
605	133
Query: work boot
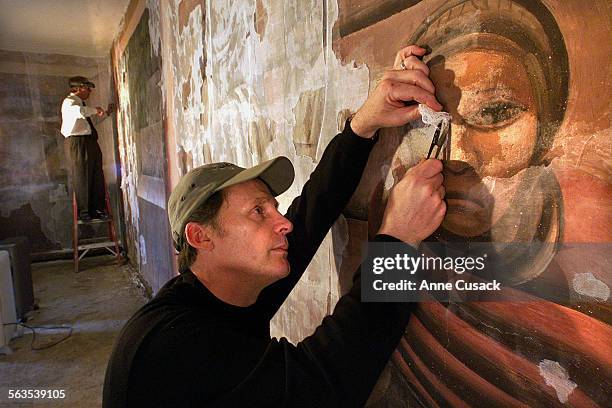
101	215
84	216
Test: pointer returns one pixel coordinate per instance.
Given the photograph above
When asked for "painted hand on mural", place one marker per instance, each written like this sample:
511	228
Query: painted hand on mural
416	204
387	105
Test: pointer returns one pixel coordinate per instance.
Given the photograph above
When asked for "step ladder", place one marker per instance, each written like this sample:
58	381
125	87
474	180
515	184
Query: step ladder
109	242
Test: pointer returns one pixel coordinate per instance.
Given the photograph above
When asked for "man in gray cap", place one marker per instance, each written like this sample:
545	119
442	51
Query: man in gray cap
204	340
82	148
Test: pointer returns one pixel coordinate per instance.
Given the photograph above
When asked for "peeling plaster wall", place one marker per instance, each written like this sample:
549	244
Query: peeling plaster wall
258	84
34	199
247	81
244	82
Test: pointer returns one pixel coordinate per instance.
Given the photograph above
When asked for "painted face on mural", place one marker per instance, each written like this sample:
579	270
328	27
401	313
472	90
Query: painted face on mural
494	114
494	132
502	75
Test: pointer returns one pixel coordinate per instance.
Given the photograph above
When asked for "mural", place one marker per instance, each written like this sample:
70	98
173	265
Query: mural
512	175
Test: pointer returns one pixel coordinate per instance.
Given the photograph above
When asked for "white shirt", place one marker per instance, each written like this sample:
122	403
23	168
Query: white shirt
74	116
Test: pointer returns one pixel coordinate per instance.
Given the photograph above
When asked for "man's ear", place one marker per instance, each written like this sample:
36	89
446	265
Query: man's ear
199	236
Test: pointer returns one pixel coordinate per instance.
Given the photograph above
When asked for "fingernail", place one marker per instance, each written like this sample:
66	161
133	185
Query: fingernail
427	48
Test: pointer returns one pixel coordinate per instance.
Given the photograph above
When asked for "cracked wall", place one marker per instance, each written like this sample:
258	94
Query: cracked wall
35	197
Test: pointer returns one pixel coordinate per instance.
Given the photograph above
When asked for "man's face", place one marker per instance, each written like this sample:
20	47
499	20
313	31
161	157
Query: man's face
252	243
84	92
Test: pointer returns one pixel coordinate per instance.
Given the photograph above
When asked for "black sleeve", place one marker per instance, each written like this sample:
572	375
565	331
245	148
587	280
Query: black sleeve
314	211
337	366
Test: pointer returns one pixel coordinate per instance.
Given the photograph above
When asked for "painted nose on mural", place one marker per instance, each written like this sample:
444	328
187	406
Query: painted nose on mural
463	150
459	176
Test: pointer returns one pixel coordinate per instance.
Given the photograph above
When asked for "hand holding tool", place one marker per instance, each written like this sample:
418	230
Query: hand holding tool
439	139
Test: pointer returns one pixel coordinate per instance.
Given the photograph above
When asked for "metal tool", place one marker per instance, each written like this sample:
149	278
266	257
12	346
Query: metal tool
439	139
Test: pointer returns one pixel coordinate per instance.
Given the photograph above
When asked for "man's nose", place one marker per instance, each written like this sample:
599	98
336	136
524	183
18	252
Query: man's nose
282	225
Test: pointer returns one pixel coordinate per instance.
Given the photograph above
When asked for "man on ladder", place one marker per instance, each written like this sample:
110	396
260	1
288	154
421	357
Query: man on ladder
90	199
82	148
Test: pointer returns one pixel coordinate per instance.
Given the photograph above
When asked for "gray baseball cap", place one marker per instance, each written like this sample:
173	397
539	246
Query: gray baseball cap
80	81
195	187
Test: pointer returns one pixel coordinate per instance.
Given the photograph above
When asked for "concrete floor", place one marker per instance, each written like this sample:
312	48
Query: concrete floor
95	303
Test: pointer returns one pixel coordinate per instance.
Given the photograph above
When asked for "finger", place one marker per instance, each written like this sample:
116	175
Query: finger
403	115
412	77
432	184
431	168
413	62
441	192
436	181
441	211
406	52
405	92
437	217
411	50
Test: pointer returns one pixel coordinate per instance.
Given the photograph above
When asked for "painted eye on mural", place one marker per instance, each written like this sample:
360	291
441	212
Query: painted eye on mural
495	114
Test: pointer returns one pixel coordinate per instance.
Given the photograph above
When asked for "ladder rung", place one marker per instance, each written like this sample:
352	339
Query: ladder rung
97	245
94	240
95	221
110	242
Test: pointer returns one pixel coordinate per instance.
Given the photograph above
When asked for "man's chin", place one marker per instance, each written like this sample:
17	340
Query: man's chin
284	271
278	268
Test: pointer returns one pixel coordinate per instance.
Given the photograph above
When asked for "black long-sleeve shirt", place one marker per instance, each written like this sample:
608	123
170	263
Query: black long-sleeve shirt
187	348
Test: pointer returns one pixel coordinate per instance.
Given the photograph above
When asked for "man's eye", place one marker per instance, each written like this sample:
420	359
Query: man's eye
259	210
495	114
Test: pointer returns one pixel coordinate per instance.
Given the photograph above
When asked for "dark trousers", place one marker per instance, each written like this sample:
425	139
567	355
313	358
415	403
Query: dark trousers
85	159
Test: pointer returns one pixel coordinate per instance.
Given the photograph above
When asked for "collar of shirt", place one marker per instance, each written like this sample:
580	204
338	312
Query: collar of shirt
76	98
187	290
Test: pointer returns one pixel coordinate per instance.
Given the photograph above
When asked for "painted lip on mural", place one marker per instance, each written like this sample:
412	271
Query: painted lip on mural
465	191
458	168
460	202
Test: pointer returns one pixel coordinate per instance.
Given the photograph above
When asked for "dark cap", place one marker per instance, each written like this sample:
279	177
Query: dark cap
81	81
195	187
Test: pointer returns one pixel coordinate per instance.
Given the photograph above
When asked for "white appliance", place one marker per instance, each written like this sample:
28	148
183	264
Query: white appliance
8	313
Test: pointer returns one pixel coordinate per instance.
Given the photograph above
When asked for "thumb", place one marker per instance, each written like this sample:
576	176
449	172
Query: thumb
430	168
408	114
